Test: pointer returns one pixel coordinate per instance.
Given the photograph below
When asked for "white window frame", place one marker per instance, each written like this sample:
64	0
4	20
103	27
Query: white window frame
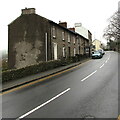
74	40
63	51
63	36
78	41
74	51
69	38
53	32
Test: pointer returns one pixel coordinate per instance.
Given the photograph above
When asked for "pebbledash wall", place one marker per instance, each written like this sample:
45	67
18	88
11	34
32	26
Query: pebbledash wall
33	38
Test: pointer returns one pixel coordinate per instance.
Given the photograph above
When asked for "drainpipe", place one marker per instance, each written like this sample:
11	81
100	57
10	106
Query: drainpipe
46	35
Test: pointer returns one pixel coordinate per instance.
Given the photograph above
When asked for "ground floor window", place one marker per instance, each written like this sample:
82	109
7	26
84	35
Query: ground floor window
63	51
74	51
69	52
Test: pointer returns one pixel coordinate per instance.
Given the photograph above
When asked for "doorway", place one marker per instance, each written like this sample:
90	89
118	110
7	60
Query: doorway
55	51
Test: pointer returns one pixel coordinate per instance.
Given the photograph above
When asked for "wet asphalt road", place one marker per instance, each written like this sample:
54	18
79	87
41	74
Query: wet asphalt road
89	90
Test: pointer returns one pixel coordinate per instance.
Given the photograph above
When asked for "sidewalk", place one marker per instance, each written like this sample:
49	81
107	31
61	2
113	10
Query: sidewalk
21	81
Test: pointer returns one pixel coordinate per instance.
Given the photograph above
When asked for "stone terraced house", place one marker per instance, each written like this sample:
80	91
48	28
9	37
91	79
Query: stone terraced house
33	38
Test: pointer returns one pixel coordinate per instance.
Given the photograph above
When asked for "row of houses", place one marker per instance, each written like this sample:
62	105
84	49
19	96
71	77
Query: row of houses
33	38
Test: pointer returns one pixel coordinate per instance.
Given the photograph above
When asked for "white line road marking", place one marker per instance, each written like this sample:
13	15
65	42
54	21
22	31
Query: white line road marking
89	75
26	114
109	57
106	61
102	65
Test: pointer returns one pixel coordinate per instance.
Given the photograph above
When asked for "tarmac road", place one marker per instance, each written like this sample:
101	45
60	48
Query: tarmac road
90	89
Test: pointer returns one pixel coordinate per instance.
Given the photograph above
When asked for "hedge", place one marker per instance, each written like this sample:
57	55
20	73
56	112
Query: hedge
37	68
29	70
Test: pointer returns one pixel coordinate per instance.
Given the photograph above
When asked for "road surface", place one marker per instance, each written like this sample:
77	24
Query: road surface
90	89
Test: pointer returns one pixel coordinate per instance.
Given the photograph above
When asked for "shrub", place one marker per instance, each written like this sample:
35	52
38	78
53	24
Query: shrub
4	64
29	70
37	68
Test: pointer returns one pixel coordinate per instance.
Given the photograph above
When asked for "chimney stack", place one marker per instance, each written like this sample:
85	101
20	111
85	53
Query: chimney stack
28	11
72	29
64	24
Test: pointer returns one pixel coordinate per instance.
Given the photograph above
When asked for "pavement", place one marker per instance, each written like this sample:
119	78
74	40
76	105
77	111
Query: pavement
18	82
88	90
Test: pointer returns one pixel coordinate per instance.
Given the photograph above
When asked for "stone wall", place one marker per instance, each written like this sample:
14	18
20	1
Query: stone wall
27	40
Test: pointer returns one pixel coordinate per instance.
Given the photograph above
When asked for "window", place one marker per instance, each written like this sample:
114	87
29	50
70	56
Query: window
74	40
79	50
68	38
74	51
78	41
63	36
63	51
69	52
53	31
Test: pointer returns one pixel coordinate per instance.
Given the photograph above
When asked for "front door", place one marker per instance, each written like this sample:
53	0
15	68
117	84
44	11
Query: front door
55	51
69	54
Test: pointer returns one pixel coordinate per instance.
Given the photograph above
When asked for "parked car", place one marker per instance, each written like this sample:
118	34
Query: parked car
97	54
101	51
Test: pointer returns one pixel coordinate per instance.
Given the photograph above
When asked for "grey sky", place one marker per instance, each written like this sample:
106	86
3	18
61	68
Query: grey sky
93	14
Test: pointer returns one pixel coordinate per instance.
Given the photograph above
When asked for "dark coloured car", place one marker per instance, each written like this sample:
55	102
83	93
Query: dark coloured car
96	55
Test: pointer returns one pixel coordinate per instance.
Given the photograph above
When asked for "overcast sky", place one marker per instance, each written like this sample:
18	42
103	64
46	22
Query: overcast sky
93	14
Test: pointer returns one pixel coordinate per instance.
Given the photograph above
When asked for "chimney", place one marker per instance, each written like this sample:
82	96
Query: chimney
64	24
72	29
28	11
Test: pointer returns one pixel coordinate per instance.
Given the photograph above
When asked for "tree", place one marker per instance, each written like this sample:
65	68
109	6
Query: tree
112	31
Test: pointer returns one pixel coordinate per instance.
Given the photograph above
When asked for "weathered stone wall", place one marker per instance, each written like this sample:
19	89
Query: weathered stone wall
27	40
28	55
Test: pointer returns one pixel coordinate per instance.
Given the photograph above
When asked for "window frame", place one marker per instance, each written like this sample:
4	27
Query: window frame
74	50
74	40
53	32
63	35
68	38
63	52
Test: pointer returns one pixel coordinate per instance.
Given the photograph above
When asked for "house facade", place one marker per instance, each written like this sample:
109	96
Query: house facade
33	38
97	44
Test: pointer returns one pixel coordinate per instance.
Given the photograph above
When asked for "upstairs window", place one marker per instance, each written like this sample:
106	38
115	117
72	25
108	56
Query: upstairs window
63	36
53	31
74	40
78	40
68	38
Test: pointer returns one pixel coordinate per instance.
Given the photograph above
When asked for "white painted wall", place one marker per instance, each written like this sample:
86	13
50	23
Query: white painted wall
81	30
97	44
